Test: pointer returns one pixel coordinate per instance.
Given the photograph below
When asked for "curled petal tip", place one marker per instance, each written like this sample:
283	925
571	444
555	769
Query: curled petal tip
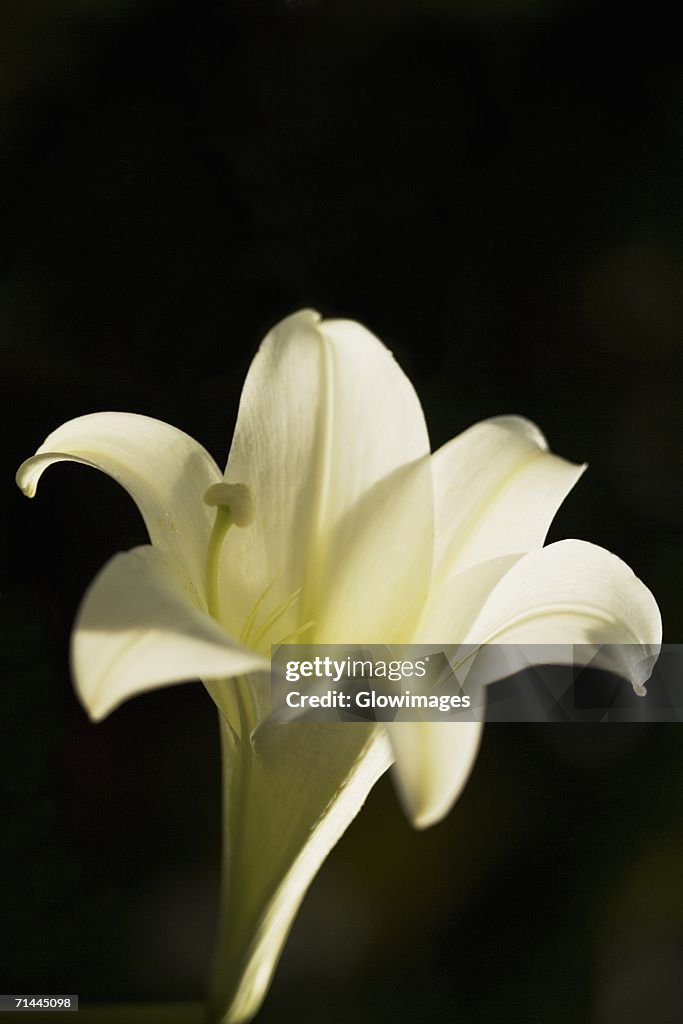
26	480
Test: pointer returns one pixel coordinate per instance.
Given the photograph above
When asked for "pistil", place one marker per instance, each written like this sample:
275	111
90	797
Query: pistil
234	506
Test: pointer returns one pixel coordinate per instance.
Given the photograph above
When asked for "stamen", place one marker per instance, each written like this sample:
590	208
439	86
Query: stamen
274	616
251	617
296	632
234	505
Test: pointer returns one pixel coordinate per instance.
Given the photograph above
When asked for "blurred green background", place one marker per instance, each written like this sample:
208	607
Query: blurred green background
495	189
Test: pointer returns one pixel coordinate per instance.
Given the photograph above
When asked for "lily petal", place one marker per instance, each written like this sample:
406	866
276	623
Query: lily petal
496	491
433	763
434	759
379	575
582	600
454	604
285	807
326	416
137	629
562	603
571	592
164	470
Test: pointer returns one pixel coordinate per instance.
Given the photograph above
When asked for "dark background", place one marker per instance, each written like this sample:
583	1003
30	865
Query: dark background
495	189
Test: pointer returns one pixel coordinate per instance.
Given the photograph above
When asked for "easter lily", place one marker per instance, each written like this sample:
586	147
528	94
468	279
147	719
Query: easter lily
331	524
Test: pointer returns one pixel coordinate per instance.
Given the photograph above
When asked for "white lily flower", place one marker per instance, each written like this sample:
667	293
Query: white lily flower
333	524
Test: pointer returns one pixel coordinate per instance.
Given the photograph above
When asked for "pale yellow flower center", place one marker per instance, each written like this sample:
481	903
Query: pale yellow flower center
235	506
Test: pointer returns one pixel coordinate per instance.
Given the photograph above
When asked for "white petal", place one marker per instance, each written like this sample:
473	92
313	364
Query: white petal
574	593
569	592
434	759
378	574
326	417
164	470
453	605
284	811
433	762
137	629
496	491
562	603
